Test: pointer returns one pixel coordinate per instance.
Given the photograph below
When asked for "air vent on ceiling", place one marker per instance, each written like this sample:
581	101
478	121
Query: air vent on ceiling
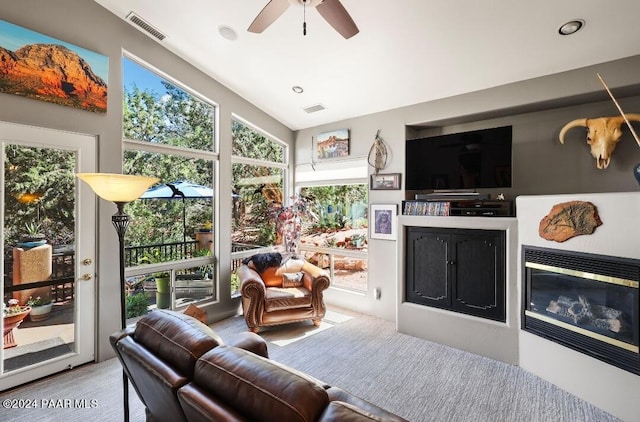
314	108
145	26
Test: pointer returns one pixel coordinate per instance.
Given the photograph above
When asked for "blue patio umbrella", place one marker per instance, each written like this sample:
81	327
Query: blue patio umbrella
179	190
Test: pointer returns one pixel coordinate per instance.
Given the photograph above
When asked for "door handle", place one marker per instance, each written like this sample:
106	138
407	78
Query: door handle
87	261
86	277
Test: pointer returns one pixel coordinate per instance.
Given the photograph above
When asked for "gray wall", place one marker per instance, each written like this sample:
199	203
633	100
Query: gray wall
537	109
88	25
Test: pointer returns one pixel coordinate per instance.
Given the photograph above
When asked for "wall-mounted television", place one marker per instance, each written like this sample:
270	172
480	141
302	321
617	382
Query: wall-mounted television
478	159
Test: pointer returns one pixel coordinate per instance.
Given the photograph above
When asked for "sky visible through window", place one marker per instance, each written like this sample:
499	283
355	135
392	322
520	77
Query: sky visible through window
144	79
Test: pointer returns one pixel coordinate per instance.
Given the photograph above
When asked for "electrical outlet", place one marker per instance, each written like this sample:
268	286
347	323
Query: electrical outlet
377	293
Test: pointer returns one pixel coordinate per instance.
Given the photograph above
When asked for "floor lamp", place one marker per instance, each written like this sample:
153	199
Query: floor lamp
119	189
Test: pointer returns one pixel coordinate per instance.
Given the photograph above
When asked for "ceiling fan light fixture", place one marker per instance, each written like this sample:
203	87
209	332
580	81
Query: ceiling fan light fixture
227	32
571	27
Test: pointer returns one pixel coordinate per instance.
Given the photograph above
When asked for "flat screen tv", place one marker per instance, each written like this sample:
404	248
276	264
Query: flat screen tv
478	159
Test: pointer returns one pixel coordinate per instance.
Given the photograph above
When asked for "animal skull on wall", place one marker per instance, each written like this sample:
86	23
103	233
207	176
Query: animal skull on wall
603	135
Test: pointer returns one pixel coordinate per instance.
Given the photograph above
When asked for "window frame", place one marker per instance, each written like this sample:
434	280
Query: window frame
212	156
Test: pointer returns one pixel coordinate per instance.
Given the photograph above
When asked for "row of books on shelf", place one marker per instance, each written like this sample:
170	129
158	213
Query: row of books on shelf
426	208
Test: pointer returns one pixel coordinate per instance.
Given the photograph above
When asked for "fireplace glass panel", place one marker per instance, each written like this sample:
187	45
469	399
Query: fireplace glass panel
602	308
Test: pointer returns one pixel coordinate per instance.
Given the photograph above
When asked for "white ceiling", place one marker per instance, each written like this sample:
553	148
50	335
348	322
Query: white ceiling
407	51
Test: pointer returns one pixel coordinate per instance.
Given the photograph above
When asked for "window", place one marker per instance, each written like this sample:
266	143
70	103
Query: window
259	165
169	133
335	230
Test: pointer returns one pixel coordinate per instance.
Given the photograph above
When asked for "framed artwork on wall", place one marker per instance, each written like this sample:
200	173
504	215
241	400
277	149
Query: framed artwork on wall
332	145
46	69
388	181
382	221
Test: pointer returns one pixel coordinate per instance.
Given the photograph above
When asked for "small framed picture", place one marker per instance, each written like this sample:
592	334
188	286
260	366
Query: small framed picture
332	145
388	181
382	221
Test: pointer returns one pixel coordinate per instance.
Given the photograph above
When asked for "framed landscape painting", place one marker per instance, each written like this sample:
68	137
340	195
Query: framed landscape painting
40	67
332	145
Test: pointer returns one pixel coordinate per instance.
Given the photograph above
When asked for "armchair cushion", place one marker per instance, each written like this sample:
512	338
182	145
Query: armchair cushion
279	298
292	279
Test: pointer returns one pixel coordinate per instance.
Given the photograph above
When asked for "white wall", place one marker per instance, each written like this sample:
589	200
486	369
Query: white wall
609	388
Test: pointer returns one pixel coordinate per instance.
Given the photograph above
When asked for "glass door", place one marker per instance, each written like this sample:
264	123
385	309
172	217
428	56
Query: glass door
48	247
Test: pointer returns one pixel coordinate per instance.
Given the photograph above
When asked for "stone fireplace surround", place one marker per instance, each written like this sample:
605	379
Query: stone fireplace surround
605	386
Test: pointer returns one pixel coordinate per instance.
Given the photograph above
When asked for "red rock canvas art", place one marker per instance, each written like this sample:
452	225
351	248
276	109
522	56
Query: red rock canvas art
40	67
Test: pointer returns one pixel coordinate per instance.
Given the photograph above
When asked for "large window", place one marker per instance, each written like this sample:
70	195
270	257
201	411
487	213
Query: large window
170	133
259	166
335	232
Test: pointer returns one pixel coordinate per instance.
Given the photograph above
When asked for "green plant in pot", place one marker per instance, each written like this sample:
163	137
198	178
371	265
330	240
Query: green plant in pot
41	307
162	278
32	236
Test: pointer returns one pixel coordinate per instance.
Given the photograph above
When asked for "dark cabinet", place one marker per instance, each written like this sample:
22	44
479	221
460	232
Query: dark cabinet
462	270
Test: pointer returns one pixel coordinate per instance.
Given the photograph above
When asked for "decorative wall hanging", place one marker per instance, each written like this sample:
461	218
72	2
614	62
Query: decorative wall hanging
378	154
603	133
569	219
40	67
388	181
332	145
382	221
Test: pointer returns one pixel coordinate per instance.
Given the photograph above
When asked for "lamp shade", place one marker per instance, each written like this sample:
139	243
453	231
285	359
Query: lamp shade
117	187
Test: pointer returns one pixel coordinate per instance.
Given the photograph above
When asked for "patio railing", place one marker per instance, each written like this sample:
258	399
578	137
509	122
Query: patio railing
162	252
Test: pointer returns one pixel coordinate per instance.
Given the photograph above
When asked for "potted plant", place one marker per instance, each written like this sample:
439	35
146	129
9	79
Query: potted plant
40	308
162	278
32	236
12	316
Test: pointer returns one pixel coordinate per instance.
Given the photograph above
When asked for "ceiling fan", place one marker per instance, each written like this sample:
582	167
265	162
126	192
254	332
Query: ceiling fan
331	10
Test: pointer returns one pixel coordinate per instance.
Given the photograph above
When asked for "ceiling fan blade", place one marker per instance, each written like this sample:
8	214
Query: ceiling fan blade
337	16
268	15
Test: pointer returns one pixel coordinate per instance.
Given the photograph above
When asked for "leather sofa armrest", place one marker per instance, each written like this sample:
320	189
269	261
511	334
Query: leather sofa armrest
251	342
120	334
339	395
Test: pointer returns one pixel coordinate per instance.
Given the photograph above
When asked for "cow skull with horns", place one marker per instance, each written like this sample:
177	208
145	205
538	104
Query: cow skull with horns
603	135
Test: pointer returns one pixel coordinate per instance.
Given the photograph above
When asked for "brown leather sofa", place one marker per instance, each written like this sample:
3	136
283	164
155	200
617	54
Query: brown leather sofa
280	289
182	371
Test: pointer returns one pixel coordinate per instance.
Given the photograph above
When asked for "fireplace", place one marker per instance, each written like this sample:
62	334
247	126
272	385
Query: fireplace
586	302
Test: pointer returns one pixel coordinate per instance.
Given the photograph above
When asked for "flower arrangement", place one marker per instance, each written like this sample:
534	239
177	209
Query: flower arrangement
38	301
289	222
13	308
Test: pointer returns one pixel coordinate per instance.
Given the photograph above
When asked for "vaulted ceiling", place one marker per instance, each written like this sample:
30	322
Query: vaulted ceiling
407	51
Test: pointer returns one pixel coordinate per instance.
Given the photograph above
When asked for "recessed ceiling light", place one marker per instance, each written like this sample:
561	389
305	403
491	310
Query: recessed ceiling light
571	27
297	89
227	32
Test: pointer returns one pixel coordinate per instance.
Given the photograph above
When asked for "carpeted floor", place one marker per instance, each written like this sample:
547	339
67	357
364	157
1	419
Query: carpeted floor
417	379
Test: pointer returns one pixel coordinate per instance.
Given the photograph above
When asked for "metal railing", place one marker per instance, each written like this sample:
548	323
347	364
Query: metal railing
161	252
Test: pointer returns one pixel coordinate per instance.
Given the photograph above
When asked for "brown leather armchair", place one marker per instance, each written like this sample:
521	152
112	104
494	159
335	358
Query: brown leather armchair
277	290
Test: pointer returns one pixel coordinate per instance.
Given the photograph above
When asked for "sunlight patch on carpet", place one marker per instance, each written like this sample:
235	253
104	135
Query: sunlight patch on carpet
283	335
